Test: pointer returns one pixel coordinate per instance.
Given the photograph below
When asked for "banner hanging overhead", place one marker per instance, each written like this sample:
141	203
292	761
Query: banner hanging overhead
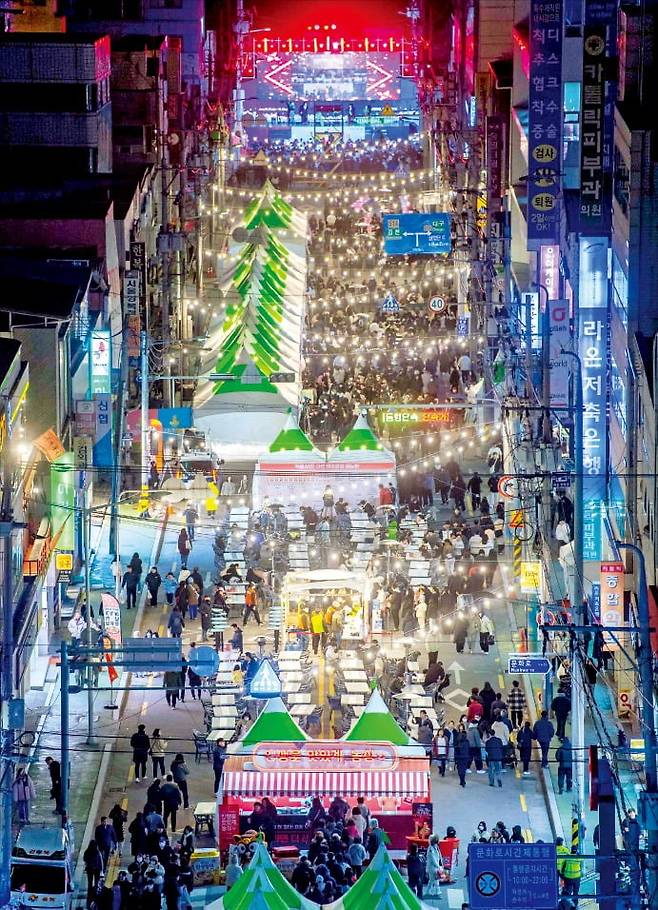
545	121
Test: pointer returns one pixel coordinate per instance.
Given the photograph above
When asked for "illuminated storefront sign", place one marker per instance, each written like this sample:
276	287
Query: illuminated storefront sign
100	362
419	415
593	334
327	756
62	496
545	121
612	599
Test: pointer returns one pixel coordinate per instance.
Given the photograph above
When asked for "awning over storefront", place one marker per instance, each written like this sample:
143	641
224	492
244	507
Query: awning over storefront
319	783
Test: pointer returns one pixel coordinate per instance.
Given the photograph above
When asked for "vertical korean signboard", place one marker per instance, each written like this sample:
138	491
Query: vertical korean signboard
545	121
599	94
103	455
612	599
62	501
593	333
495	160
100	362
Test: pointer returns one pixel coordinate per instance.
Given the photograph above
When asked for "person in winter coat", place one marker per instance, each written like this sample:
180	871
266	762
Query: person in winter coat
460	632
171	681
486	632
106	839
356	856
475	747
176	623
22	791
153	582
158	749
560	706
184	545
415	871
524	740
495	753
218	759
169	584
516	703
180	771
543	731
487	697
205	615
131	584
140	744
93	860
76	626
375	838
119	817
564	759
440	751
138	833
171	800
193	597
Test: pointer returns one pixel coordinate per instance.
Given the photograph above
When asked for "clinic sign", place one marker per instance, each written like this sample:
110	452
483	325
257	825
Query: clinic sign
417	233
545	121
597	123
325	756
612	599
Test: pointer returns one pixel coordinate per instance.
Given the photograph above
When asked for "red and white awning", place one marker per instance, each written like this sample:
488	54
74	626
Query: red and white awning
326	783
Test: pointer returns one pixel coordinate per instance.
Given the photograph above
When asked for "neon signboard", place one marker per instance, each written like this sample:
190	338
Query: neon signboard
325	756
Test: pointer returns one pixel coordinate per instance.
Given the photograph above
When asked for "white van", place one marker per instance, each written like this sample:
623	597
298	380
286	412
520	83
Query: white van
42	869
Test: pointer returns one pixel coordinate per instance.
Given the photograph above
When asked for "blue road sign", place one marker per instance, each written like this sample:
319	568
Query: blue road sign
512	876
418	233
151	655
390	304
203	660
528	663
561	480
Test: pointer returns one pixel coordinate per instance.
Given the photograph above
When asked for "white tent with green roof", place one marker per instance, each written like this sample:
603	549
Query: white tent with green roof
380	887
262	887
282	472
377	724
359	464
273	724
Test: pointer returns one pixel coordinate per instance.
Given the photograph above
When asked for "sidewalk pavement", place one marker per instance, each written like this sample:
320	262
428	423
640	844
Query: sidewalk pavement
43	716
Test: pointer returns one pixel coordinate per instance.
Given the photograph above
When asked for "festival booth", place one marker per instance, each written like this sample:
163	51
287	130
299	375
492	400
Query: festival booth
262	887
293	471
327	590
376	760
282	473
254	342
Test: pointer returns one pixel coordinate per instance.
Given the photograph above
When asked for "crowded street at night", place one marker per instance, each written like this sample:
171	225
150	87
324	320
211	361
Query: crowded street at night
328	494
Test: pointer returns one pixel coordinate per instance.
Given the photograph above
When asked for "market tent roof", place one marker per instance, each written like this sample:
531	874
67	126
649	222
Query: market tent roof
380	887
377	724
292	439
262	887
361	442
273	724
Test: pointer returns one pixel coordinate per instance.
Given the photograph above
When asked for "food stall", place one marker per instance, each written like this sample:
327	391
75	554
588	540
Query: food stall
389	769
327	590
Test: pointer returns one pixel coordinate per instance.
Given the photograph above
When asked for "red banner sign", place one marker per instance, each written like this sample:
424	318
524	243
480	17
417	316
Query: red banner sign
326	756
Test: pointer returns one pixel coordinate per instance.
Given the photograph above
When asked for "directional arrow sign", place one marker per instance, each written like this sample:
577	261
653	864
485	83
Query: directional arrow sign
457	670
528	663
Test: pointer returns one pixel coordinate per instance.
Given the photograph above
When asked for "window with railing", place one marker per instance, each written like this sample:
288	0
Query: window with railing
621	182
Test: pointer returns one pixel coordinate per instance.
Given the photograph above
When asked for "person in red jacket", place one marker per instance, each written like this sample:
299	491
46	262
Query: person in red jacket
385	496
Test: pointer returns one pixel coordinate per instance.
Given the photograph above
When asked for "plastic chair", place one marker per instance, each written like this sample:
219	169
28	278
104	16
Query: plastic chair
201	746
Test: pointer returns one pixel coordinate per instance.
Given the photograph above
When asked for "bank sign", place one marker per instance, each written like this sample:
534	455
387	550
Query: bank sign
419	234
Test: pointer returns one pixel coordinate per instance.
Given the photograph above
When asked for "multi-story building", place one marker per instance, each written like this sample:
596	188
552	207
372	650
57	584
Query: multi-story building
55	109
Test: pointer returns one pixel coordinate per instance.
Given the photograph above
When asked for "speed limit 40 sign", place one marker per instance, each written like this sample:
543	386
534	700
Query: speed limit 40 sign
437	304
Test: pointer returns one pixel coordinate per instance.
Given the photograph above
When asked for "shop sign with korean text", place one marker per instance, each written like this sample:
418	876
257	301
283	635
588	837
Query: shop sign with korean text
612	599
545	121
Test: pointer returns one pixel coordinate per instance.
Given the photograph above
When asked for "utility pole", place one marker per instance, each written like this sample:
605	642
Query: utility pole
164	247
7	690
64	682
86	520
649	797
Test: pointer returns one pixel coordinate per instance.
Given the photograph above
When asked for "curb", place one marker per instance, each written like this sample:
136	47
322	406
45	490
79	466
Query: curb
107	749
